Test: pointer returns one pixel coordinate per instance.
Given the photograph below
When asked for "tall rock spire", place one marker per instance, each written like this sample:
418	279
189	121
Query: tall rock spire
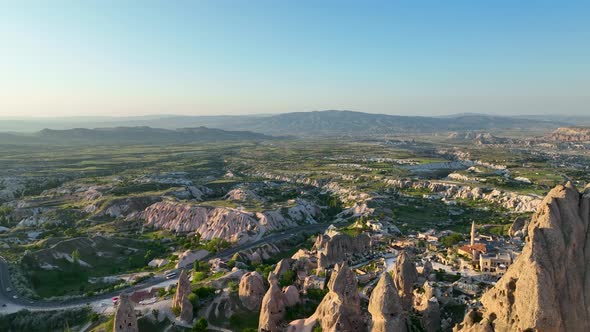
548	286
125	318
386	308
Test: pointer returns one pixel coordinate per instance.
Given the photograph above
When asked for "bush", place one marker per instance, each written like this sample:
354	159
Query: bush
288	278
451	240
201	325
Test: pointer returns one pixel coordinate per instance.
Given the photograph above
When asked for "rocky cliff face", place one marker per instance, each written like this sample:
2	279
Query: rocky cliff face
125	318
548	286
272	309
571	134
251	290
226	223
340	309
339	247
510	200
405	276
180	300
386	308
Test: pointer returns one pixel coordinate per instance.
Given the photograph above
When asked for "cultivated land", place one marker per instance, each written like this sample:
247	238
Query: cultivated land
81	223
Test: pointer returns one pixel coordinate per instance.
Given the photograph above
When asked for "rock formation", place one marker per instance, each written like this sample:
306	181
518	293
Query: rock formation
404	278
339	247
291	296
340	309
510	200
221	222
571	134
125	318
272	309
386	308
548	286
283	266
251	290
519	227
180	300
427	305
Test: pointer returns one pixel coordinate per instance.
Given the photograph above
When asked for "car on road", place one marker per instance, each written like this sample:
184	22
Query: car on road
8	289
170	275
15	297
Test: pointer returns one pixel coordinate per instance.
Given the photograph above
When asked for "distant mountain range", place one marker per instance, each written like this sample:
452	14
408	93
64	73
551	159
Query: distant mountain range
129	135
318	123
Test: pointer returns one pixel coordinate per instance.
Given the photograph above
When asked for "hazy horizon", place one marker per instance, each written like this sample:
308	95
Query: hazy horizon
108	58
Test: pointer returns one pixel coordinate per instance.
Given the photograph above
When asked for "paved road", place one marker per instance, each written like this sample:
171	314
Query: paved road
7	293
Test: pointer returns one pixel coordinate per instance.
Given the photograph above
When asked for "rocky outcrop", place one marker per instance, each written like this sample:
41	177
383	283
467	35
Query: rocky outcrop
427	305
283	266
220	222
122	207
241	195
180	300
548	286
229	224
272	310
510	200
519	227
404	278
125	319
385	307
251	290
571	134
333	248
340	309
291	296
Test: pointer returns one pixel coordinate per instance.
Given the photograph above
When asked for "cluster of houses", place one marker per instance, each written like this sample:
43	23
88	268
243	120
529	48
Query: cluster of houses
485	254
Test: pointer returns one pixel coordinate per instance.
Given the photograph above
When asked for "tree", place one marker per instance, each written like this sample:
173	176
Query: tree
451	240
76	256
201	325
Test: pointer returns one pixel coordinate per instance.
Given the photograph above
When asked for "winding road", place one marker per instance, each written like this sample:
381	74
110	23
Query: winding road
9	297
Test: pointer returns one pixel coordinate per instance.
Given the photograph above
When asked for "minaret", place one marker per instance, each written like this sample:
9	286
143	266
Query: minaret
472	232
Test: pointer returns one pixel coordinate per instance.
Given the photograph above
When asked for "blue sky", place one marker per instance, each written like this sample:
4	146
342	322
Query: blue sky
63	58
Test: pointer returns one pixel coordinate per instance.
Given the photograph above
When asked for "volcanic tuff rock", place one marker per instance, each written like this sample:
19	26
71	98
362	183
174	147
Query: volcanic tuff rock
519	227
427	305
548	286
183	289
509	200
572	134
338	247
226	223
241	194
272	309
340	309
291	295
385	307
404	278
251	290
121	207
283	266
125	318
